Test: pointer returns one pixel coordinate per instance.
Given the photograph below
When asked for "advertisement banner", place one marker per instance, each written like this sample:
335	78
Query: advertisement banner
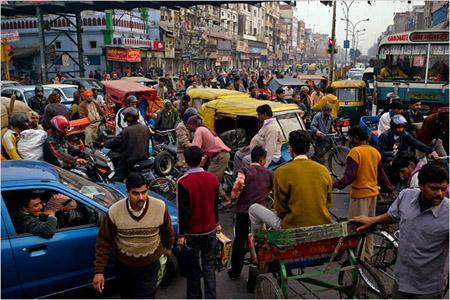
223	58
125	55
254	50
169	47
10	36
241	46
158	46
223	45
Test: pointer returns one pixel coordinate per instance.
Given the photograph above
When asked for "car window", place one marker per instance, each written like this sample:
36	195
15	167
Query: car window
68	91
7	93
95	84
102	195
19	95
350	94
288	123
31	217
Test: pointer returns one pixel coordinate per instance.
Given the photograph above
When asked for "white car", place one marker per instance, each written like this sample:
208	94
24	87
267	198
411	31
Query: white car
65	91
23	92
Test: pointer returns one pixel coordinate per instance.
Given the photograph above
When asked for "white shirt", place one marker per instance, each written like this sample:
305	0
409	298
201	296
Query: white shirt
384	123
137	214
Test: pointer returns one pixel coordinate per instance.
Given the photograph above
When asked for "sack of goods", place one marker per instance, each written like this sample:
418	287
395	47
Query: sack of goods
31	144
223	250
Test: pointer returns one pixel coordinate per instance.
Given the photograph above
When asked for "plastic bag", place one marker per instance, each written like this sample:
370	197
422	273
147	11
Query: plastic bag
31	144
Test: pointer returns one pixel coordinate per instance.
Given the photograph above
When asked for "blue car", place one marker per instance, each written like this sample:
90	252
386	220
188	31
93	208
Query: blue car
35	267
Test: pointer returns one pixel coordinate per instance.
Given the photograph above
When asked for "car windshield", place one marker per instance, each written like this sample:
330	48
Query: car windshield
68	91
288	123
349	94
100	194
29	94
91	84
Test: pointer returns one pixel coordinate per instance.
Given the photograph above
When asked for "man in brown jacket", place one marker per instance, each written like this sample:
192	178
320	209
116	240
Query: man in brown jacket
89	108
140	231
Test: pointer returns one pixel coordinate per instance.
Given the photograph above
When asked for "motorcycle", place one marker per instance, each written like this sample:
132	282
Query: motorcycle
99	167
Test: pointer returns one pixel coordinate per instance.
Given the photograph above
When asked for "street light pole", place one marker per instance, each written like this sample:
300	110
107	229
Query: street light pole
333	37
347	6
353	32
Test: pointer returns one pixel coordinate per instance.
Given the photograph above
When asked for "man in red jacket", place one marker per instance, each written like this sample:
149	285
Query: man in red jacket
198	220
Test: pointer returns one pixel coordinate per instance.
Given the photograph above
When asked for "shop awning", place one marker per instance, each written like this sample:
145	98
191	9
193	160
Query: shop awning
25	52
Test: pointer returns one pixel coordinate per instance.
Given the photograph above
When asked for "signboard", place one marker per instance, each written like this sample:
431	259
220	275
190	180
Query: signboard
429	37
241	46
65	58
125	55
346	44
223	45
223	58
253	50
158	46
169	47
10	36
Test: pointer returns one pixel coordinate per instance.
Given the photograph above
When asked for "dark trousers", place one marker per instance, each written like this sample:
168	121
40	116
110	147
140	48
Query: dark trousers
122	169
204	246
396	294
241	229
137	282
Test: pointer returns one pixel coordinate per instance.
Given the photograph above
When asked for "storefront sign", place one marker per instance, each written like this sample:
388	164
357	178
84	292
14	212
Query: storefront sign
223	45
398	37
169	47
125	55
241	46
158	46
429	37
254	50
223	58
10	36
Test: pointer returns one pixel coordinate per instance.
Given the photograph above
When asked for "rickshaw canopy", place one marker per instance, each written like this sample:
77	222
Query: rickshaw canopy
122	88
211	94
247	108
140	79
360	84
276	83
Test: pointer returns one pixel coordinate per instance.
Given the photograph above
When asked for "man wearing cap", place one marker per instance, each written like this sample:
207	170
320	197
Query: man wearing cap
90	109
38	101
322	124
167	118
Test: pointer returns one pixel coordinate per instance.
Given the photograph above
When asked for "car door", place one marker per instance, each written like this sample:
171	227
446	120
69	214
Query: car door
10	282
65	261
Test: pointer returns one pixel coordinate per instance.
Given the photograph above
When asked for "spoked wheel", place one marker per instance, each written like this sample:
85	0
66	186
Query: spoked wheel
165	187
374	287
266	287
384	250
336	161
348	280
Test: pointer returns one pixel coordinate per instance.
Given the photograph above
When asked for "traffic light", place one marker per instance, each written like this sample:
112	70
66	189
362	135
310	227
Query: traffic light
10	52
327	3
330	46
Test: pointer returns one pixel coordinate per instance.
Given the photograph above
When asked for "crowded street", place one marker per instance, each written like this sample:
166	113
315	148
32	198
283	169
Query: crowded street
225	150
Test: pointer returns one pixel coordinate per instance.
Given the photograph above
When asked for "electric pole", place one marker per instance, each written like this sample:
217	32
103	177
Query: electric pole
333	47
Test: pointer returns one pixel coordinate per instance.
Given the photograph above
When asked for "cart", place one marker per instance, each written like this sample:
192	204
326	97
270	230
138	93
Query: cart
370	125
281	251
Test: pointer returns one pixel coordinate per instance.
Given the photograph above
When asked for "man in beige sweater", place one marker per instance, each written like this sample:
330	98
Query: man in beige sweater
140	231
269	137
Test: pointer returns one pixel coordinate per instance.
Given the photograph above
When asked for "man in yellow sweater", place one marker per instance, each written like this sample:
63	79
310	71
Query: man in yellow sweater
140	231
363	171
301	189
330	99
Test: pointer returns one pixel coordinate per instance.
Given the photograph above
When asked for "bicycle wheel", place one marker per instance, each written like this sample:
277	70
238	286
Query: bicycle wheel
165	187
374	285
267	287
336	161
348	280
384	250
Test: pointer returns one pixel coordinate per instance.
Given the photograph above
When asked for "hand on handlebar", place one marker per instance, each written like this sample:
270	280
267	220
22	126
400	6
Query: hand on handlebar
81	161
319	133
433	155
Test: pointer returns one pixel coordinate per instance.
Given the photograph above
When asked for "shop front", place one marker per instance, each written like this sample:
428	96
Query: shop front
123	60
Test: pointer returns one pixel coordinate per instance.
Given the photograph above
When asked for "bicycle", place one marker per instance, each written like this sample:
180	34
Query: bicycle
336	154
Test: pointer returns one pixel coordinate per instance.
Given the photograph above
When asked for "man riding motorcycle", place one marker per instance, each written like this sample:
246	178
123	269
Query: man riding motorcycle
132	143
57	150
121	123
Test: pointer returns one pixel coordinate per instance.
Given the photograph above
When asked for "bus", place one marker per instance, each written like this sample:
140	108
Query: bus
413	64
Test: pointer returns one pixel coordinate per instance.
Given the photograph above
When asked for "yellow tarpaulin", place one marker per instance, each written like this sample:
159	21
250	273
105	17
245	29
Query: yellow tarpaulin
349	84
211	94
243	107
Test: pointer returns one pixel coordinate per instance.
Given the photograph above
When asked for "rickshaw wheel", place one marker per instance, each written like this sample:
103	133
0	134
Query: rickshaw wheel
348	279
374	287
266	287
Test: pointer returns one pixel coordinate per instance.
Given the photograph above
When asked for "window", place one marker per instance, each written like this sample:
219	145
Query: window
58	45
93	44
68	212
288	123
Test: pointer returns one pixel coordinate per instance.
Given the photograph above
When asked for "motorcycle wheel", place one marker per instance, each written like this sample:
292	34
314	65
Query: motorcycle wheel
165	187
164	163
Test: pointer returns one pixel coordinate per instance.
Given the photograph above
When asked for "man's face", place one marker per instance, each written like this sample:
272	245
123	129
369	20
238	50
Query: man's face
296	98
262	117
326	114
34	207
161	83
134	104
433	192
168	106
416	106
138	196
39	93
95	94
399	130
397	111
405	172
89	98
280	95
34	120
191	127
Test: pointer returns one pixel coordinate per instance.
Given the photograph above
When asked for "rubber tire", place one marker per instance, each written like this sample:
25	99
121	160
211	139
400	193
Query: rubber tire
170	271
331	159
341	278
171	195
364	267
266	287
158	161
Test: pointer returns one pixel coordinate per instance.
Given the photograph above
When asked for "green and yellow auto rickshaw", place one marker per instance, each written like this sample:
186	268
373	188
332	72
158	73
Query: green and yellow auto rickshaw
352	99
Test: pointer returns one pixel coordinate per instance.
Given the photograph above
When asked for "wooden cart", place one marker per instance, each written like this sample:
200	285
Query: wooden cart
281	251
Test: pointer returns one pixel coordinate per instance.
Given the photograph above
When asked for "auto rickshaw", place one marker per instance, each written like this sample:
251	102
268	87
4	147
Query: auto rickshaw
141	80
293	82
117	91
202	95
236	122
352	98
312	69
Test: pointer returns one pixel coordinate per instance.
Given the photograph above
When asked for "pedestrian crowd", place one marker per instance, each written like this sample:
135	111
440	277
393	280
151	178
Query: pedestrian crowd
138	230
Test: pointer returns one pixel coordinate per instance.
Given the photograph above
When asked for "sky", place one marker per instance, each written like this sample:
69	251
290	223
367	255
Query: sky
381	15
